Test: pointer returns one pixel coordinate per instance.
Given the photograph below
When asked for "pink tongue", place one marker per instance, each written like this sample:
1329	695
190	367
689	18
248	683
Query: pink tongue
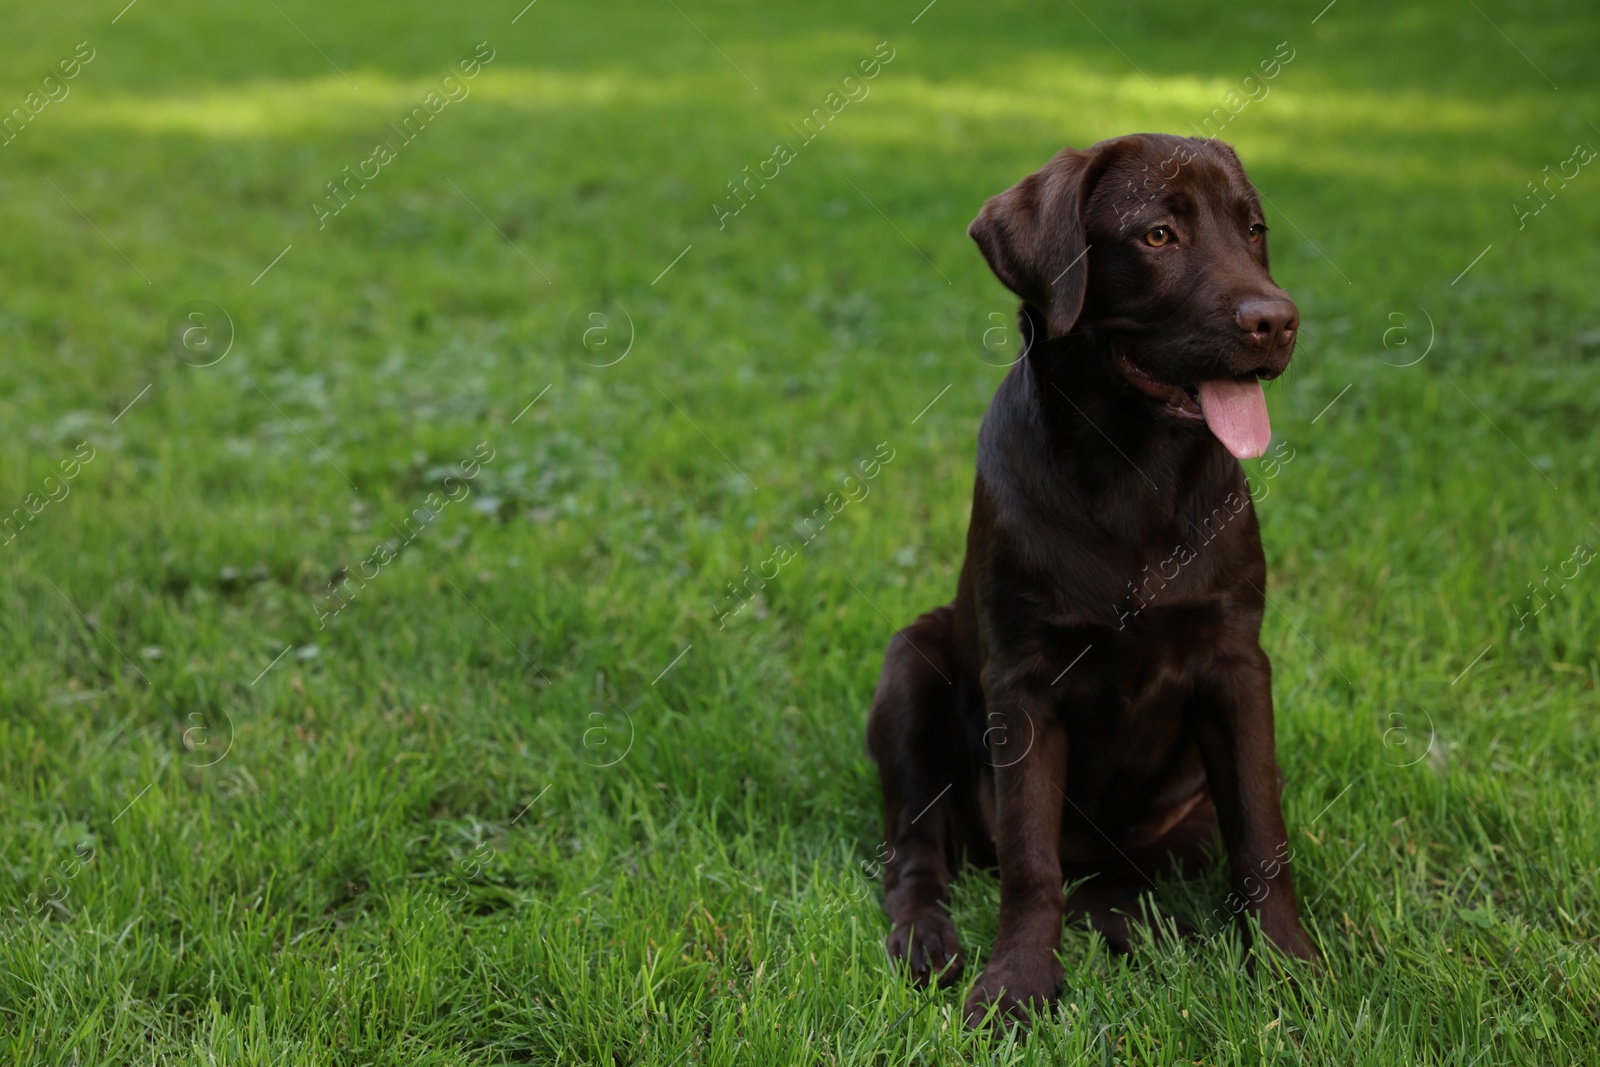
1237	413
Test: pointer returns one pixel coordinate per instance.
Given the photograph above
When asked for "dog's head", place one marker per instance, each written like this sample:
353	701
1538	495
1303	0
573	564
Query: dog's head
1155	247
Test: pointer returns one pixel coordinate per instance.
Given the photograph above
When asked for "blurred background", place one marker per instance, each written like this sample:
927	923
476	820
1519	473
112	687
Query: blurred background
399	400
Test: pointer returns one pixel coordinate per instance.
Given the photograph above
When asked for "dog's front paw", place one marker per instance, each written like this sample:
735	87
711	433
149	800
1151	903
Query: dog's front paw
1012	991
1291	939
929	947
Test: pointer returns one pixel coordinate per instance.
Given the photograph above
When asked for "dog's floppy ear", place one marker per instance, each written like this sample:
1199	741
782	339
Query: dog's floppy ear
1033	235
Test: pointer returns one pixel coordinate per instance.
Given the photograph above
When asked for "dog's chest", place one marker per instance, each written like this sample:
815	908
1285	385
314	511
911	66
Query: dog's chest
1125	706
1126	676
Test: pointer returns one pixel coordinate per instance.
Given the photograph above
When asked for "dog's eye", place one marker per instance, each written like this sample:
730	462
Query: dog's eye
1159	236
1255	232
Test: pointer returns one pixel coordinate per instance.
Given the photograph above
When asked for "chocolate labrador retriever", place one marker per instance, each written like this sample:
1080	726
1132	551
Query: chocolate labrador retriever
1095	703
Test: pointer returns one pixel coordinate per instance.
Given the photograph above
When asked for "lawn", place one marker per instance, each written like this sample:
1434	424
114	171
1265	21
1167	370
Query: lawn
395	399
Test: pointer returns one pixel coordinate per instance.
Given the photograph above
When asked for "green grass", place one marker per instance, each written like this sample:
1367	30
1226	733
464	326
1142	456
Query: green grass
474	818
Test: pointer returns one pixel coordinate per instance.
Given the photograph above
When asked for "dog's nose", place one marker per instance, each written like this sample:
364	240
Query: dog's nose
1270	323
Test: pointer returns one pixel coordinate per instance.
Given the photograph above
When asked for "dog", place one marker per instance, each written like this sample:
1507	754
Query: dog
1095	704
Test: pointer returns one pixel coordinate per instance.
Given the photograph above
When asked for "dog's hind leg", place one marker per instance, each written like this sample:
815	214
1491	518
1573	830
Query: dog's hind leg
914	733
